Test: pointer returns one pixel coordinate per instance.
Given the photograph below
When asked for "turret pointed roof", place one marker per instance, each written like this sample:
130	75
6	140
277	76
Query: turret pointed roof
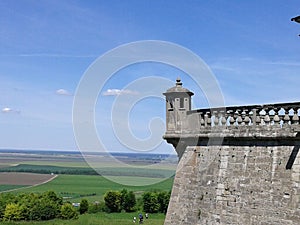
178	88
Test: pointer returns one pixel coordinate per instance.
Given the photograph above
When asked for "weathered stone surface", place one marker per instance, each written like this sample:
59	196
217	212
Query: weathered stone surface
222	191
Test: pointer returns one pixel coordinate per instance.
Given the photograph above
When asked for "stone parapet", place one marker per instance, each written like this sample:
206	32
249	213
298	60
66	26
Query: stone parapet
280	115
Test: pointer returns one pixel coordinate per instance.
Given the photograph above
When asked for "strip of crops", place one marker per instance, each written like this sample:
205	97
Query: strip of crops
108	171
6	187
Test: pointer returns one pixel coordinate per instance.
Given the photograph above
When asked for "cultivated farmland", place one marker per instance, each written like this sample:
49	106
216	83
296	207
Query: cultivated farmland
76	180
75	187
24	178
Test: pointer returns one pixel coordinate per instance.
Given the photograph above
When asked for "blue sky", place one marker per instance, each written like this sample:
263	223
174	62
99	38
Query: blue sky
252	48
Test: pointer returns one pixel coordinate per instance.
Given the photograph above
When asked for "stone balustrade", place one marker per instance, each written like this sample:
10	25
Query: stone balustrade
279	115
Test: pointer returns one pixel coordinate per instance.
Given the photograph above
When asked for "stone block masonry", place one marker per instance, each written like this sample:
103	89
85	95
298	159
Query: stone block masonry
235	185
238	165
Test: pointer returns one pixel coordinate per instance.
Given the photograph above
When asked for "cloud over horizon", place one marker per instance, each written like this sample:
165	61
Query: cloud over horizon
115	92
9	110
63	92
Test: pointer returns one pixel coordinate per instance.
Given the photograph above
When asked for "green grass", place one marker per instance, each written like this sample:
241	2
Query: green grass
91	187
6	187
100	219
105	171
81	164
47	169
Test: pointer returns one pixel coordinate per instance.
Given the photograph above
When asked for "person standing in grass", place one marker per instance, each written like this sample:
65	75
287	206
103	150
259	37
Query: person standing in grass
141	218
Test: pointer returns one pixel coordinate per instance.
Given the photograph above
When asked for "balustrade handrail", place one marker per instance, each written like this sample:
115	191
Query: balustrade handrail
266	114
248	107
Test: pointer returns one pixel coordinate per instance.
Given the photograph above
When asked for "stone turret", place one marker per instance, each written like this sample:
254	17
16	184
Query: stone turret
178	102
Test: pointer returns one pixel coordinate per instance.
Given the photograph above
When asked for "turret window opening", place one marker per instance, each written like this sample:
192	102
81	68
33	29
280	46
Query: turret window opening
181	103
170	105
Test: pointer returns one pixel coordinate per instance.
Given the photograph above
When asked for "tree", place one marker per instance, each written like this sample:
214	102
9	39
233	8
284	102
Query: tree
4	200
84	206
52	196
12	211
150	203
123	193
97	207
129	202
163	199
68	212
44	206
48	209
113	201
31	206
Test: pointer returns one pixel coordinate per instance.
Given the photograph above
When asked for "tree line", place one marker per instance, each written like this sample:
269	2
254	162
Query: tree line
47	169
30	207
150	202
48	205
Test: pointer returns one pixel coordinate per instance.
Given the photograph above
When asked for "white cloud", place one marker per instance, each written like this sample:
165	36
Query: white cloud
63	92
6	110
9	110
114	92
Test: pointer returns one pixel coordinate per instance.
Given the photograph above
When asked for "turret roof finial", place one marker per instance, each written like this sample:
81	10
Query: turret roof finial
178	89
178	82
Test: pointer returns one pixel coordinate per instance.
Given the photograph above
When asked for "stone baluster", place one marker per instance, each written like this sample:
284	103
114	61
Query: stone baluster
231	119
239	119
208	119
223	118
235	116
250	116
286	118
291	116
258	117
202	122
254	116
276	118
262	114
267	118
281	116
243	115
246	118
204	119
271	115
216	119
295	118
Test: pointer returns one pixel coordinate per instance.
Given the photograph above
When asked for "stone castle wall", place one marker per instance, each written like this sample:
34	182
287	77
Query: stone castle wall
236	185
238	164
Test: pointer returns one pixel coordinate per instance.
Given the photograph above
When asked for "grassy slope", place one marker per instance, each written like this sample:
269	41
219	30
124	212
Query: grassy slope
79	186
6	187
81	164
84	185
108	171
100	219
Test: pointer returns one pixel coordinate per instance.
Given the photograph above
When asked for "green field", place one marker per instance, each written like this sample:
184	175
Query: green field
76	180
6	187
99	219
76	187
81	164
113	170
